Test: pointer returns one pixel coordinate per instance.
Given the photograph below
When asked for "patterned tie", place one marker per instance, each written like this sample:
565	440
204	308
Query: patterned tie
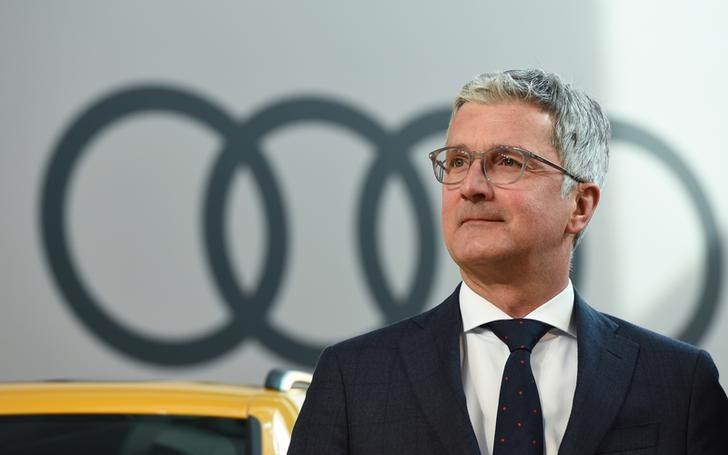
519	425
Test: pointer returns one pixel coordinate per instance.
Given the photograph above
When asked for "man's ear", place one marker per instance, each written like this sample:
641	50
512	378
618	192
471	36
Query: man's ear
586	198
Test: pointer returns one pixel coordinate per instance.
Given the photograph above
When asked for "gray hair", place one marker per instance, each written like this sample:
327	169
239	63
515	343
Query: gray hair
581	130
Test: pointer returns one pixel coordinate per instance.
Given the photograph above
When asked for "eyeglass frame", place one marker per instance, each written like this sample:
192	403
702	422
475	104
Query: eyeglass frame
480	155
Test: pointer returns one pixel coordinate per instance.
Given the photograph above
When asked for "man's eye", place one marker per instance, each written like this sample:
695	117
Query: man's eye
507	161
456	161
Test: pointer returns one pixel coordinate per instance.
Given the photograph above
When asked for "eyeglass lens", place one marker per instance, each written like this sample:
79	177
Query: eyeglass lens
502	166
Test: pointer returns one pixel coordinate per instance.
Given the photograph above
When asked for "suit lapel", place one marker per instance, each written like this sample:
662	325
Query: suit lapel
606	365
432	360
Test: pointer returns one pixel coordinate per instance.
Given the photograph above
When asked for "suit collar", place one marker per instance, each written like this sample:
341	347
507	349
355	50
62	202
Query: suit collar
606	364
431	357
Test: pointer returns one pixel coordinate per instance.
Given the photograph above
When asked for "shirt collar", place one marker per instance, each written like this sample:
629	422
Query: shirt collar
476	311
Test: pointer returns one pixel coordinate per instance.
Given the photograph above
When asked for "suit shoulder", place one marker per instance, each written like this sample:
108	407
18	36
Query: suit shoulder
647	340
390	335
651	340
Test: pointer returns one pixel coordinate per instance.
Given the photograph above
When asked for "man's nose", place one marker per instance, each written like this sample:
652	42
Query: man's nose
476	184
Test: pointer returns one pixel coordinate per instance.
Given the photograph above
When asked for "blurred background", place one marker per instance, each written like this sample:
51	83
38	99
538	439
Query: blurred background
206	190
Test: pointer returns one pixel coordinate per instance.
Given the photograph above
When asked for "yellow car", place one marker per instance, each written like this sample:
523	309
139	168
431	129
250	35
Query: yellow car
150	418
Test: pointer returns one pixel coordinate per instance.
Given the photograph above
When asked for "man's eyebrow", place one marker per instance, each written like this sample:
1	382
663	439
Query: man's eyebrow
506	146
492	147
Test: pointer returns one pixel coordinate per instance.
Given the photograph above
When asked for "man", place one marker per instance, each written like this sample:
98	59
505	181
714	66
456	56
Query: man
514	361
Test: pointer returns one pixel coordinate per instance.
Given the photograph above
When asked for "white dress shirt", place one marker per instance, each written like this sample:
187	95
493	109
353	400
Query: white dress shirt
553	360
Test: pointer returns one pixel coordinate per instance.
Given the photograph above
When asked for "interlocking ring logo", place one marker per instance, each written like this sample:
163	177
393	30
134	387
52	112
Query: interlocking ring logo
250	308
709	298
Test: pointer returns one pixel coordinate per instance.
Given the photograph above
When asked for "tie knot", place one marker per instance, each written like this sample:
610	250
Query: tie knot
519	333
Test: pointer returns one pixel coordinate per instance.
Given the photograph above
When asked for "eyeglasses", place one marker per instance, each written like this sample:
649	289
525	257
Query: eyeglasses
502	164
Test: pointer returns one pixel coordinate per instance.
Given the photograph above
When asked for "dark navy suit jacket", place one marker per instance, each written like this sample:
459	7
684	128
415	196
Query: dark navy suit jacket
398	391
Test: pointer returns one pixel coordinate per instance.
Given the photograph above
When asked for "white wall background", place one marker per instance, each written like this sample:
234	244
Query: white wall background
135	202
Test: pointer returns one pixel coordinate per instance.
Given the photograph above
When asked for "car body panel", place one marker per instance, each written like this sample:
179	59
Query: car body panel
274	411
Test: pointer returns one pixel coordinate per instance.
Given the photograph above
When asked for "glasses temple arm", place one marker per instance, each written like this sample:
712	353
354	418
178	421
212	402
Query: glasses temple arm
556	166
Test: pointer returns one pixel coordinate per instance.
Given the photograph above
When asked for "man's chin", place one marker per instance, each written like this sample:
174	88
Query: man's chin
478	256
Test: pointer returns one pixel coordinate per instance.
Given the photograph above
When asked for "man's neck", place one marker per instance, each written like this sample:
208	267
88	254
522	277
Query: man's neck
517	294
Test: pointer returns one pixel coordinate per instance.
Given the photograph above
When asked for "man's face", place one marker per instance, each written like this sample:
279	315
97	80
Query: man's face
484	224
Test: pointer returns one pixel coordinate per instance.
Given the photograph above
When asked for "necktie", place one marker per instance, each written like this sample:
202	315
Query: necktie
519	424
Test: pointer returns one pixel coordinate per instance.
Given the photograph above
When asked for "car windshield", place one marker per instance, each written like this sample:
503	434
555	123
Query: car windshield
127	435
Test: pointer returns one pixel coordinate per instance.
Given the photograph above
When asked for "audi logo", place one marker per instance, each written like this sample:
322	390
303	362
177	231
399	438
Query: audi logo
250	308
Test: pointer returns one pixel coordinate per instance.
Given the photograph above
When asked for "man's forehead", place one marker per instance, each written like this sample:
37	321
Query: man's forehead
492	123
518	107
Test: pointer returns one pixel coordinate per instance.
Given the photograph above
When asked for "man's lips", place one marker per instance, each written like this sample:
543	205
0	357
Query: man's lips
484	219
